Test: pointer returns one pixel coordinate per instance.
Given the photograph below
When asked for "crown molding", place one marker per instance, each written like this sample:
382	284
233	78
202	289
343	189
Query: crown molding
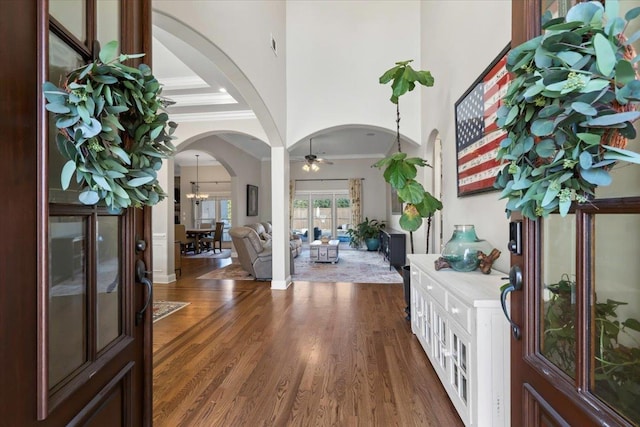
212	116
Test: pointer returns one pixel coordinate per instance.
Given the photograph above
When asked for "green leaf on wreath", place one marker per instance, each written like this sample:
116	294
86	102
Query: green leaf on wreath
88	197
67	172
605	54
108	52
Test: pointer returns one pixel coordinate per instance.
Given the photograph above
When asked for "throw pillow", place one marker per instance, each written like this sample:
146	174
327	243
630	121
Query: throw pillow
265	236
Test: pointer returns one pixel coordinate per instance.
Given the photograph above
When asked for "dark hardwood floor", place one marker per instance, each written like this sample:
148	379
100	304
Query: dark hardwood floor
318	354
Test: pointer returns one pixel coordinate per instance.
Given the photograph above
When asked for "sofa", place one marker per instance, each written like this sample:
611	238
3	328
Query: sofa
264	231
254	255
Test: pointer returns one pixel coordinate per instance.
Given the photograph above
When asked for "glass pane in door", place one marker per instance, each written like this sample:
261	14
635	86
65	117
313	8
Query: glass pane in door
108	22
615	309
225	216
67	310
109	310
72	15
343	217
558	309
62	60
322	216
207	212
300	221
555	8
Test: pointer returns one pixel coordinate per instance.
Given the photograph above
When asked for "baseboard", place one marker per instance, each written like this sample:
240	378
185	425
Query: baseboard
281	285
164	278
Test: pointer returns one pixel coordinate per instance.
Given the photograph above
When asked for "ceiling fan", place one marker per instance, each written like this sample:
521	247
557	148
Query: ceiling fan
311	160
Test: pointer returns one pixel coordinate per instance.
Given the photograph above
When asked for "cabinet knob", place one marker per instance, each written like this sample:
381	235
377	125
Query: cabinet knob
455	310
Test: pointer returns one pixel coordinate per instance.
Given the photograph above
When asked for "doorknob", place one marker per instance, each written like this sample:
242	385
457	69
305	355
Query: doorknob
515	284
141	277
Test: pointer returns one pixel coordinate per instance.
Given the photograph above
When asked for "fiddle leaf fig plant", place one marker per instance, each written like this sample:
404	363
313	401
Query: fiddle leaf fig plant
112	130
400	171
568	111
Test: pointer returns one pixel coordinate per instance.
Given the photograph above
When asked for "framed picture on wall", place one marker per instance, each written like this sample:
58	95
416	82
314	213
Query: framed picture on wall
252	200
396	204
477	135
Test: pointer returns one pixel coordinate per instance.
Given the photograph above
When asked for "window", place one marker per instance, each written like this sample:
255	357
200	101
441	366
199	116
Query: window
325	213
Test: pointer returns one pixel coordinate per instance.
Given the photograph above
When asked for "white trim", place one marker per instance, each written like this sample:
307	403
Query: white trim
197	99
221	115
164	279
190	82
281	285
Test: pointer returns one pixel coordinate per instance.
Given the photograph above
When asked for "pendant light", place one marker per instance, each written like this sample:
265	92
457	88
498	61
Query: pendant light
197	195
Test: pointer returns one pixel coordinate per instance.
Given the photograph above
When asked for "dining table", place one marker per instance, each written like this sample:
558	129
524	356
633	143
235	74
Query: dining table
198	233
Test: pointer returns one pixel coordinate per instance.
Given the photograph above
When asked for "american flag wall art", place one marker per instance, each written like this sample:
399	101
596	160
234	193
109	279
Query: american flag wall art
477	135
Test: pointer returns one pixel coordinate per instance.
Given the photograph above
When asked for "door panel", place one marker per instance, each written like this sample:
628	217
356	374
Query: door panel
578	359
539	412
71	352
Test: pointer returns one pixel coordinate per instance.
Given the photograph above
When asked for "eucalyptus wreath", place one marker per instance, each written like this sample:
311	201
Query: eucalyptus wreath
571	100
112	130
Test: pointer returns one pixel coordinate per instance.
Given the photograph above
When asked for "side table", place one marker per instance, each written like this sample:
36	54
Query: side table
324	252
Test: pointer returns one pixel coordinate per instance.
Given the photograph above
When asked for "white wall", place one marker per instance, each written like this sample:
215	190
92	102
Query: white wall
459	40
241	30
337	50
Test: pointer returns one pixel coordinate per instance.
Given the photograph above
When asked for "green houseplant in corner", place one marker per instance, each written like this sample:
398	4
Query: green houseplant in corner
367	232
568	111
400	171
112	130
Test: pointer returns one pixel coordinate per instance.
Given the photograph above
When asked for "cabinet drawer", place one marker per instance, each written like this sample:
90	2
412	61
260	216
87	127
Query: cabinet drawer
460	312
435	290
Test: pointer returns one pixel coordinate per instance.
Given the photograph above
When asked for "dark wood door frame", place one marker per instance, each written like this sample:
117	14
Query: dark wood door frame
24	31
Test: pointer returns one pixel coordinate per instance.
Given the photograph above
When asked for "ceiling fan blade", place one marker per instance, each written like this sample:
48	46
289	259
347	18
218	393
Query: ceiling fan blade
324	161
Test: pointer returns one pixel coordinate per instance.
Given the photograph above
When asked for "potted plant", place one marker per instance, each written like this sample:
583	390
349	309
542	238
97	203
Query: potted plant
367	232
112	130
568	111
400	171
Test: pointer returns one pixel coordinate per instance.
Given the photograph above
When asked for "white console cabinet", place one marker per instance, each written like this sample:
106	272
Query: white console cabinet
459	322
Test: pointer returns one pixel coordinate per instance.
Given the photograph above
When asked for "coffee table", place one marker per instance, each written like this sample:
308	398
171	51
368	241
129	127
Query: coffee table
324	252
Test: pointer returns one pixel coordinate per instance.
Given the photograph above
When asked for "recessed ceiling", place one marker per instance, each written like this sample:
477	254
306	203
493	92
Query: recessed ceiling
201	91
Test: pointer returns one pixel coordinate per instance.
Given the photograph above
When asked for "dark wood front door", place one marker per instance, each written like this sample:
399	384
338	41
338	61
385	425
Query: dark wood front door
577	360
72	351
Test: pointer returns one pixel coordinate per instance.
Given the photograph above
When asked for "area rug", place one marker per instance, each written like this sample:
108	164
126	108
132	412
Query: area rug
162	309
225	253
353	266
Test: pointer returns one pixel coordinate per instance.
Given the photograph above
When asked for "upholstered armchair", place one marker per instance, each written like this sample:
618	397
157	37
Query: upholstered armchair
254	255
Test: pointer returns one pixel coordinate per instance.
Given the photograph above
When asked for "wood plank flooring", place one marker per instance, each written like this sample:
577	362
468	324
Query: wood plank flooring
317	354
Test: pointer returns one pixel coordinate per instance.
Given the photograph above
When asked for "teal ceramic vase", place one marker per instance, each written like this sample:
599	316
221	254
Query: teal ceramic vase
461	251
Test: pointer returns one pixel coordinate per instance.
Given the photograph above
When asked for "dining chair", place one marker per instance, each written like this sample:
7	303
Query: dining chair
210	241
217	236
186	243
205	239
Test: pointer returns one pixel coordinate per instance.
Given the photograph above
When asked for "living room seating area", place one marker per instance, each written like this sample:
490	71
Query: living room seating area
264	232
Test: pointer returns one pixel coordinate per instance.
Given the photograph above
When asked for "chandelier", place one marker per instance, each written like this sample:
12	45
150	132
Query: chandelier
196	186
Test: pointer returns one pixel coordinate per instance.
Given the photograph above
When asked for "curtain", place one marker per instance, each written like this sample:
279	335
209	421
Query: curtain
355	194
292	195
